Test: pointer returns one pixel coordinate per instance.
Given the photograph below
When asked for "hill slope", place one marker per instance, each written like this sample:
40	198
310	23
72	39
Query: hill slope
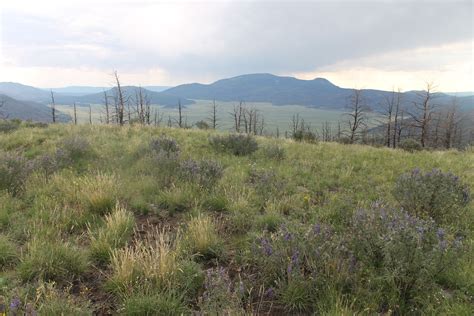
134	220
27	110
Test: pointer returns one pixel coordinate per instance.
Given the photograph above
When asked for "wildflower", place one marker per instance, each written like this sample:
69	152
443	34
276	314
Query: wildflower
267	248
270	293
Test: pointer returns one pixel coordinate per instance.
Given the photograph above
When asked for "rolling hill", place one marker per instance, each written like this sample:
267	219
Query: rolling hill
27	110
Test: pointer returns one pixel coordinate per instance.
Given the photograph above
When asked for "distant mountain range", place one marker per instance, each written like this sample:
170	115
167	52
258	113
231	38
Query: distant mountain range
85	90
278	90
75	94
319	93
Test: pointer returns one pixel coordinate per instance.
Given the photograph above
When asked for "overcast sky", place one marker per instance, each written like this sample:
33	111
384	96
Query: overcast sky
353	43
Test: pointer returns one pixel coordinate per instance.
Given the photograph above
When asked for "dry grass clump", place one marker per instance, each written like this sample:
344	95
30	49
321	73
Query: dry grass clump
153	261
202	237
113	235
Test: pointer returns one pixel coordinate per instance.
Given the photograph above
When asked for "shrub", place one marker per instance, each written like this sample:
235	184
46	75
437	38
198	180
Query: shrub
31	124
115	234
205	173
202	125
8	253
202	237
166	145
274	152
155	304
410	145
265	182
14	171
305	135
72	149
220	294
47	164
400	255
7	126
441	196
52	260
237	144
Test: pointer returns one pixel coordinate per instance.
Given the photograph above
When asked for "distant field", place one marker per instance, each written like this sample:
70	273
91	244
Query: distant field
275	116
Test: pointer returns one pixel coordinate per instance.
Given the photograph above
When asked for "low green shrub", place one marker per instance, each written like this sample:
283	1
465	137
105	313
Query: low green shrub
205	173
410	145
236	144
8	126
274	152
441	196
14	172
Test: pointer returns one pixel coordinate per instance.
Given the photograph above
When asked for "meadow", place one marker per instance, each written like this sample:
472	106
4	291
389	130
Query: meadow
140	220
275	116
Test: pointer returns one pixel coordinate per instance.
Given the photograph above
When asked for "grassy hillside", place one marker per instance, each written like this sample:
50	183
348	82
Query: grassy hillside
158	221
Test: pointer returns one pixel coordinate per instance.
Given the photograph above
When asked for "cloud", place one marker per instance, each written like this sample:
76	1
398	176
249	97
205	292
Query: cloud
209	40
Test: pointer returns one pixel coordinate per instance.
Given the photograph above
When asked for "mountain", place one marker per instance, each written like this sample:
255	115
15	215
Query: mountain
278	90
157	88
27	110
77	90
23	92
82	95
160	98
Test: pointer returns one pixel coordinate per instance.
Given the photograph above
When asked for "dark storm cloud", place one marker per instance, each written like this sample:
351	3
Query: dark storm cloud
238	37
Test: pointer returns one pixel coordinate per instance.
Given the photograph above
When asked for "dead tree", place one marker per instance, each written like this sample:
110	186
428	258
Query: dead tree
90	114
121	100
180	114
326	131
422	113
213	118
451	124
53	107
75	114
357	116
106	108
396	123
236	114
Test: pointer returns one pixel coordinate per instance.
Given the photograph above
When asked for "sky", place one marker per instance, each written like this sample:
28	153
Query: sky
382	44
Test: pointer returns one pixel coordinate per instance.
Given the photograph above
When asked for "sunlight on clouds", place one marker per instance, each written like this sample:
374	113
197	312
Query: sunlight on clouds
450	66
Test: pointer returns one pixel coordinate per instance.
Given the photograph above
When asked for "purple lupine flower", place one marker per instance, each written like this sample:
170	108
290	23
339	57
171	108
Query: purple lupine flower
270	293
15	305
440	233
443	245
317	229
352	263
267	248
295	257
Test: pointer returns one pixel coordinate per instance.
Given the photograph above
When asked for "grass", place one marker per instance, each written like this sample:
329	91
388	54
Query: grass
99	219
